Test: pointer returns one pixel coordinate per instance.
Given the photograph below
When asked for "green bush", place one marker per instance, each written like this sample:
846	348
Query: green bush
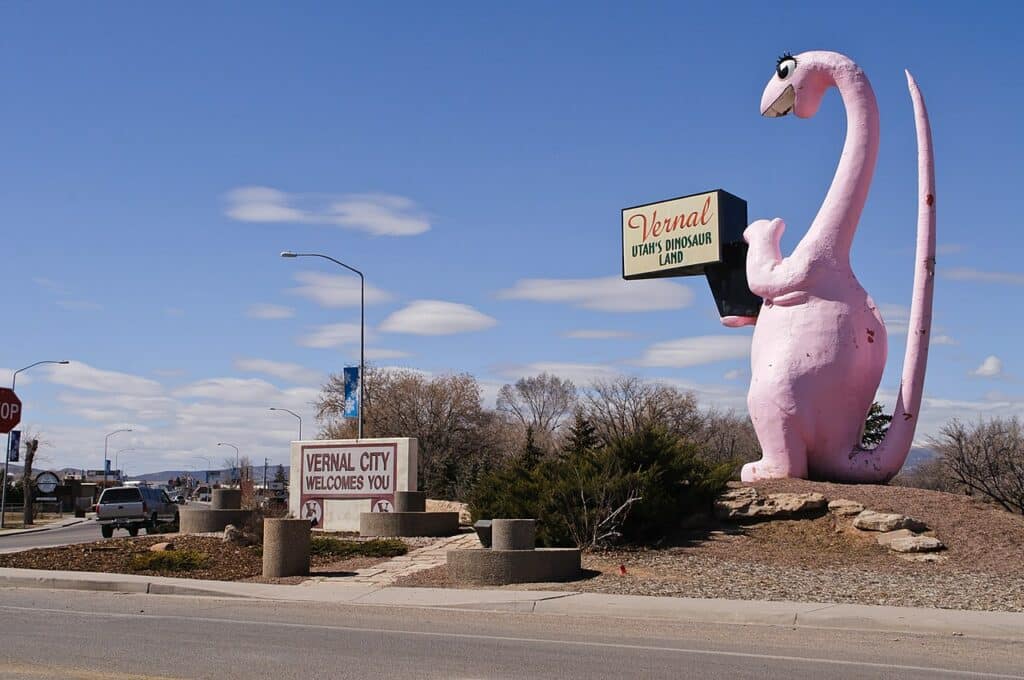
168	560
635	489
328	546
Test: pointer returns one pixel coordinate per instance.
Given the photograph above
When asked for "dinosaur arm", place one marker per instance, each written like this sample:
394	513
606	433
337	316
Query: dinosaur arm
768	273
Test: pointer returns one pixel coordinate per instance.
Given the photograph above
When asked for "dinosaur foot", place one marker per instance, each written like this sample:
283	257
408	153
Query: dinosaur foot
762	469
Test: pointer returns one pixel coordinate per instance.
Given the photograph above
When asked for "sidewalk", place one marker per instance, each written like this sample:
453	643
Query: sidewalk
59	524
1002	625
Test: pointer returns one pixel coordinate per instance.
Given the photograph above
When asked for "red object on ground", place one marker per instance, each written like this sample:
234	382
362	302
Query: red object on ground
622	570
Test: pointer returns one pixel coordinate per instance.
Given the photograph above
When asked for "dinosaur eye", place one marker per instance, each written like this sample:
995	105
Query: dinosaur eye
785	67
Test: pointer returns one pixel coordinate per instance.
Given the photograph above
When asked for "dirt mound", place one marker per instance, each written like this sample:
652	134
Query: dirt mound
979	536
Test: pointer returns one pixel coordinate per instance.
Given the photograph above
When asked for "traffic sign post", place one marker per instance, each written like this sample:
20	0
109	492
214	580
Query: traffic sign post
10	416
10	410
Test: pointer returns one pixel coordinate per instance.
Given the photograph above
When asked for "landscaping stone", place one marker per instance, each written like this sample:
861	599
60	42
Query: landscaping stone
916	544
889	536
746	503
233	534
870	520
845	507
162	547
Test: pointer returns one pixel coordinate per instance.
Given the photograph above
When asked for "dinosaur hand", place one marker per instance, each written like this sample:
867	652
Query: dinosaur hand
738	321
765	234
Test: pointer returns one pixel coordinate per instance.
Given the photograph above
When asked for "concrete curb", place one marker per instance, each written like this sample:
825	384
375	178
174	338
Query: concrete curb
47	527
911	620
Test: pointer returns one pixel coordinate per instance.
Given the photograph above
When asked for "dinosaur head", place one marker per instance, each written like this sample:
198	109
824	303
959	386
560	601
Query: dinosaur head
800	83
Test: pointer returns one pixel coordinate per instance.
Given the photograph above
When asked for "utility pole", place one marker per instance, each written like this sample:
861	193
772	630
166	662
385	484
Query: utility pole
265	475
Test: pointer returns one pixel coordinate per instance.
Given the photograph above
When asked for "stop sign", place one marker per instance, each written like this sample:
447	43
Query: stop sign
10	410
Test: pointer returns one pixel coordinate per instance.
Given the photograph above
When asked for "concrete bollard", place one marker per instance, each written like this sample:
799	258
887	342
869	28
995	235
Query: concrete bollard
410	501
513	534
226	499
285	547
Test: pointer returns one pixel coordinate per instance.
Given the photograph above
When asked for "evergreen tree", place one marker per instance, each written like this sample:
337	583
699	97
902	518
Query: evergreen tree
279	477
582	436
875	427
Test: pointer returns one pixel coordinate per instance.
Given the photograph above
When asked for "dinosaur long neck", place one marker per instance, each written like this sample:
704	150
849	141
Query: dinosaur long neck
833	228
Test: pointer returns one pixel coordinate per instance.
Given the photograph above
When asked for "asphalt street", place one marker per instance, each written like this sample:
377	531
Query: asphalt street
72	634
86	532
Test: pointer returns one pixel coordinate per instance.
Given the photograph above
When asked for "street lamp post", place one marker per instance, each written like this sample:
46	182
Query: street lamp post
237	460
294	414
7	449
106	444
362	324
117	454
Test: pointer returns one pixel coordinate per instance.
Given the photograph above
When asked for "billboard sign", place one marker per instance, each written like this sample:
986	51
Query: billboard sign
352	470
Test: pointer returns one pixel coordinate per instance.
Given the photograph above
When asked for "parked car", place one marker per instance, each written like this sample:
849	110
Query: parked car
159	506
179	499
122	507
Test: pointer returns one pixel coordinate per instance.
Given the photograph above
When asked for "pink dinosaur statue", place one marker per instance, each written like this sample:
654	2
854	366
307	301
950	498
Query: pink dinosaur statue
820	345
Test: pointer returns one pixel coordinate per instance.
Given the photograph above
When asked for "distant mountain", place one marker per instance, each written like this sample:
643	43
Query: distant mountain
164	475
918	455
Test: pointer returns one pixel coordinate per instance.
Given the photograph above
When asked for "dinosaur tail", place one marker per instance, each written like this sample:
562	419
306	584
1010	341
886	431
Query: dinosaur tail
884	462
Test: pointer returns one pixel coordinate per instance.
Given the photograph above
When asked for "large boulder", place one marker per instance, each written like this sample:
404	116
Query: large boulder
915	544
746	503
845	507
870	520
889	536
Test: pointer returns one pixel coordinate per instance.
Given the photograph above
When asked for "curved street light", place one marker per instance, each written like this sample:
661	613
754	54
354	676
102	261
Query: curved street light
106	458
7	449
237	460
117	453
362	324
294	414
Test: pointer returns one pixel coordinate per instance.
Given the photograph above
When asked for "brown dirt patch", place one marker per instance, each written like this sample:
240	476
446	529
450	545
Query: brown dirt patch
225	562
821	559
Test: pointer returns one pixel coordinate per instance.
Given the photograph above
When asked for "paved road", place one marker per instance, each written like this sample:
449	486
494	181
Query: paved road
72	634
86	532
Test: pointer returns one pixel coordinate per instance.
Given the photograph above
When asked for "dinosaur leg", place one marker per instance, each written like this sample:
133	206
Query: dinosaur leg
784	452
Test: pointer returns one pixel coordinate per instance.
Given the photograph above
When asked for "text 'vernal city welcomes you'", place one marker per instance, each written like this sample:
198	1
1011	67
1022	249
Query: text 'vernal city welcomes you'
349	470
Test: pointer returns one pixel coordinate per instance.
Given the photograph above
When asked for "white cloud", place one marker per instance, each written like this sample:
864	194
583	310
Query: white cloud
436	317
336	290
605	294
331	335
695	351
584	334
377	214
949	249
293	373
991	367
944	340
968	274
581	374
85	377
125	407
232	390
736	374
269	311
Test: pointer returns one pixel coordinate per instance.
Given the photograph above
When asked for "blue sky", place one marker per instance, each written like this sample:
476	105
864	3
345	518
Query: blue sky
472	160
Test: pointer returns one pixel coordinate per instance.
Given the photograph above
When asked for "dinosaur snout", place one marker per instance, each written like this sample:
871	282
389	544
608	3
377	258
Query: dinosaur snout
780	105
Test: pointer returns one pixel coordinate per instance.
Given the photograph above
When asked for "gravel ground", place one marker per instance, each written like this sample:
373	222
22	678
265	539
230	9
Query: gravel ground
822	559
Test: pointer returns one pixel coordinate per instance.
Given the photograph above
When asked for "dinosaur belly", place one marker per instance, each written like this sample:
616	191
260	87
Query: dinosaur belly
818	364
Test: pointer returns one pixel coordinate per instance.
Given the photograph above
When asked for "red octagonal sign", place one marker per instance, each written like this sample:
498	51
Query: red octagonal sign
10	410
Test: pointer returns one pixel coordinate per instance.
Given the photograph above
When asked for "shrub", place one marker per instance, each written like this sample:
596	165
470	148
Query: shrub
328	546
634	489
168	560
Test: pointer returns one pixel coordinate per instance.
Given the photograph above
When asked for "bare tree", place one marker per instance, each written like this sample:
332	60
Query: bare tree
31	446
986	458
726	437
458	438
540	403
627	404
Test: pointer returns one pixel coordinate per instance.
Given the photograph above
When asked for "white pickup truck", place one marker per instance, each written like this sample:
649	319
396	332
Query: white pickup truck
122	507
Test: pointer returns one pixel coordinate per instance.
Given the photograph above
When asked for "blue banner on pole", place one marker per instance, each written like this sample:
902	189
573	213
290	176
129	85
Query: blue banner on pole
15	447
351	391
